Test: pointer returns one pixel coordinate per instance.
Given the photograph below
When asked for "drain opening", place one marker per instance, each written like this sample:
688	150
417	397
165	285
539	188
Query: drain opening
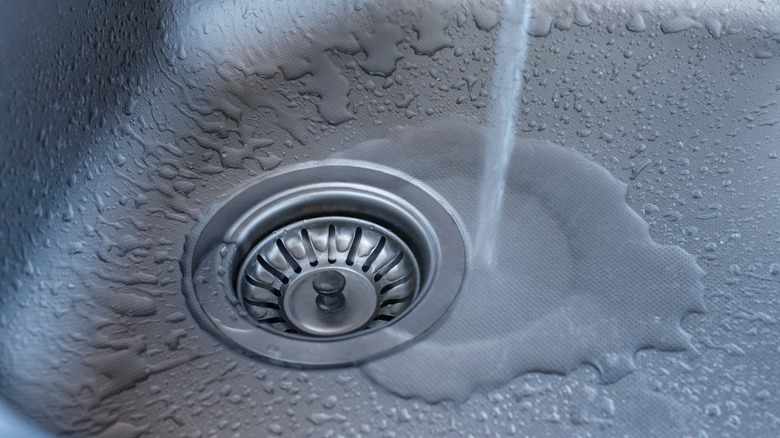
276	283
324	266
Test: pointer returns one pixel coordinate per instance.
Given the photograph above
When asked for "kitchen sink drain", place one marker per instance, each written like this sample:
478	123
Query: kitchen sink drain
377	274
324	266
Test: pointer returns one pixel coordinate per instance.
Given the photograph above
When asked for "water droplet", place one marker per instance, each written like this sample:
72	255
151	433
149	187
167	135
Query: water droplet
637	23
678	23
275	428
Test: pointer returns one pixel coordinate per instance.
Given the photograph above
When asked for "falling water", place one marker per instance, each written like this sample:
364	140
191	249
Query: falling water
507	84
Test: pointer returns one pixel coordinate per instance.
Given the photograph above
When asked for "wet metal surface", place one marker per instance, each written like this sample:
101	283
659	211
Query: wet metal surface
643	129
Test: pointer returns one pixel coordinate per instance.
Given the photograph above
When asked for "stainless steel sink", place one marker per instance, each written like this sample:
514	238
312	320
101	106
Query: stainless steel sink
174	172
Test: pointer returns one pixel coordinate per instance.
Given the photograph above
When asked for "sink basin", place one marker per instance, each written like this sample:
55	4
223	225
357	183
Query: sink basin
626	283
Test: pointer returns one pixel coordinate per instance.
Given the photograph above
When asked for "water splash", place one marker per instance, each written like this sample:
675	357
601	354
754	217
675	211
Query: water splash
507	85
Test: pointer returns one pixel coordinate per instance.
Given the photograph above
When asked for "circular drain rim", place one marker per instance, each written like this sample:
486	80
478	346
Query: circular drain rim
329	189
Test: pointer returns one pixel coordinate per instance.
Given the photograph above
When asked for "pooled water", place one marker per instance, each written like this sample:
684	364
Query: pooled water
575	278
507	84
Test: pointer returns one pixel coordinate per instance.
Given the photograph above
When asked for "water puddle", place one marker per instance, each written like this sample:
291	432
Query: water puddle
575	277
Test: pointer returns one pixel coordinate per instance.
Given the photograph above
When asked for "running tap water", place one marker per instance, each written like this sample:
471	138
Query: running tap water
506	88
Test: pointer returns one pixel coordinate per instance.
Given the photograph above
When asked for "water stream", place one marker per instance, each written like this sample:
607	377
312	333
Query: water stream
506	89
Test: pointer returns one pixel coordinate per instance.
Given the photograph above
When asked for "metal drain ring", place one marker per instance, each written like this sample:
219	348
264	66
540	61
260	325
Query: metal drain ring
220	250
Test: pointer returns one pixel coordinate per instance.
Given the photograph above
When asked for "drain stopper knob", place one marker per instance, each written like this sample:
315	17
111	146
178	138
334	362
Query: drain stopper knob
329	286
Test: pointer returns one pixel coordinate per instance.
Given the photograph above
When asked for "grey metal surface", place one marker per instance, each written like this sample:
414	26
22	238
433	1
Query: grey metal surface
121	126
16	425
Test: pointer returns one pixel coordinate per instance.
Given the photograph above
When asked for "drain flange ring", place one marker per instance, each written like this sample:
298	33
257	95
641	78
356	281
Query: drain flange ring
250	268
